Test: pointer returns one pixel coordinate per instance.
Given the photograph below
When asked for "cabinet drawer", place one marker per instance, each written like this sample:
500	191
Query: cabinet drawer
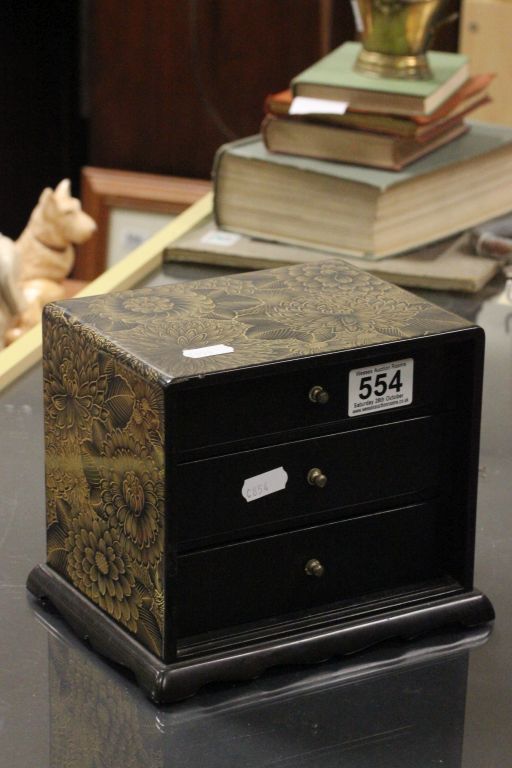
365	465
231	410
264	578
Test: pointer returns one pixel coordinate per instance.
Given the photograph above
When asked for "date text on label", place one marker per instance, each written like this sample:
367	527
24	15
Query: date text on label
379	387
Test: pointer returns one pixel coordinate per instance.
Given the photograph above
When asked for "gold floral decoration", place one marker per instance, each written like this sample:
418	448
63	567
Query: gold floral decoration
331	278
165	341
125	488
75	389
104	478
99	567
121	310
147	413
264	316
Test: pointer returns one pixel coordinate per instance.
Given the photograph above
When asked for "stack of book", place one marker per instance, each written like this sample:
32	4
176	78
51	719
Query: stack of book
383	123
395	168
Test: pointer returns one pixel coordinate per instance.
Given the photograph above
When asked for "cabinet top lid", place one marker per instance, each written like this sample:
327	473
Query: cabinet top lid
206	326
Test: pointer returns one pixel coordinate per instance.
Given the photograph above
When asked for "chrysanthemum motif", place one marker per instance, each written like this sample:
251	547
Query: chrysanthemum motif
65	480
126	489
149	305
131	308
164	342
146	421
98	567
74	387
250	284
193	334
345	317
328	276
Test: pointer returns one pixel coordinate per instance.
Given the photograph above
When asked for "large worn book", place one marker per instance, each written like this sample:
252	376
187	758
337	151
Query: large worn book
359	211
333	142
446	265
334	77
471	96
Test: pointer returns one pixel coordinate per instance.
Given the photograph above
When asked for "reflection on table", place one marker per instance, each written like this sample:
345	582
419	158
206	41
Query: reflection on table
401	704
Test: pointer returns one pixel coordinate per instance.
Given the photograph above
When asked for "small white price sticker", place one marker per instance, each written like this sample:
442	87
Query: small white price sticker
215	349
307	105
379	387
220	238
262	485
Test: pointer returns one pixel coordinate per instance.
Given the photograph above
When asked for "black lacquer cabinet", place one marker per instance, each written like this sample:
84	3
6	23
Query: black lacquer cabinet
268	468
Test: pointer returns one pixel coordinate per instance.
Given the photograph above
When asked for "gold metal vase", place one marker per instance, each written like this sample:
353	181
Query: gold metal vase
396	35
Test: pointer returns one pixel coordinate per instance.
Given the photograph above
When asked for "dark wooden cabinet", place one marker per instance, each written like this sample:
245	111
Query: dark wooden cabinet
171	80
337	509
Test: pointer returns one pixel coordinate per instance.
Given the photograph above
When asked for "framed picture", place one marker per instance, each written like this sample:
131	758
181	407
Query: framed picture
128	208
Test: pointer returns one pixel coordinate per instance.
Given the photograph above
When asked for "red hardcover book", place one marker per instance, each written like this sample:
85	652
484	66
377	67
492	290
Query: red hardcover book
470	96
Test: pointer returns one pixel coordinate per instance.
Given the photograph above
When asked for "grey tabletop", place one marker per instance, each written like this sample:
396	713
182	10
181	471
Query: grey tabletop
443	700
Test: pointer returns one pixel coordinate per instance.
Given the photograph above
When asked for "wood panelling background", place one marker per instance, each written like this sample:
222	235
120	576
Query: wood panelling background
171	80
145	85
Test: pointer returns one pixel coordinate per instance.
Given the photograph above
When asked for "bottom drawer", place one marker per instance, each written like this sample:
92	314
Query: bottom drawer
268	577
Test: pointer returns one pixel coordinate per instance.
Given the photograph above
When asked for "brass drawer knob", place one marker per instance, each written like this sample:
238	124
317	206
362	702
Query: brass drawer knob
317	477
318	394
314	567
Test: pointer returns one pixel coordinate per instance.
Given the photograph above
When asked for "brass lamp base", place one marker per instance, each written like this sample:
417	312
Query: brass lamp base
404	67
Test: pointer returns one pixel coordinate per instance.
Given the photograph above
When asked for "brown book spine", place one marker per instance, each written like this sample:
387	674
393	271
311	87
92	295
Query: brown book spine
278	104
264	129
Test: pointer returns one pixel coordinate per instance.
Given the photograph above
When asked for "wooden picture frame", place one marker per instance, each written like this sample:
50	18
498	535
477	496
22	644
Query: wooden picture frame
104	190
25	352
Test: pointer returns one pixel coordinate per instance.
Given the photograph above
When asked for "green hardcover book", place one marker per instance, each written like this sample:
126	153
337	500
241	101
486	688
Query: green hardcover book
334	77
361	211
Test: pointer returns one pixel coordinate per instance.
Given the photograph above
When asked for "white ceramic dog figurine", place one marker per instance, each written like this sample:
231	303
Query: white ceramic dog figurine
46	244
46	250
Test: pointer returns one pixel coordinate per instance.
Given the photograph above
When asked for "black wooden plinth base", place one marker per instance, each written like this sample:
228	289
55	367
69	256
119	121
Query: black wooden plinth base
165	683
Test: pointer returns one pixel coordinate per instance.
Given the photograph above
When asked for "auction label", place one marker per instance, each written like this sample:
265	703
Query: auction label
262	485
379	387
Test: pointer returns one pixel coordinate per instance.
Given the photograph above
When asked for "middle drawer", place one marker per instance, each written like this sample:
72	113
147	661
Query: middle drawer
224	498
